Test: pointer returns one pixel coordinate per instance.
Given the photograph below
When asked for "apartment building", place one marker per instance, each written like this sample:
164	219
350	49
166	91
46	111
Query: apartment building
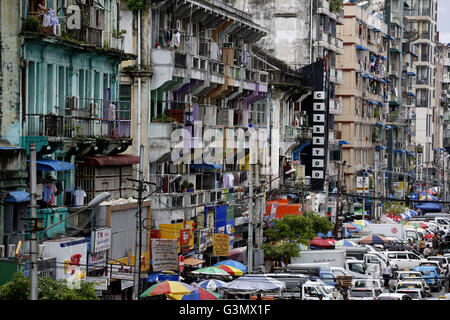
420	17
366	93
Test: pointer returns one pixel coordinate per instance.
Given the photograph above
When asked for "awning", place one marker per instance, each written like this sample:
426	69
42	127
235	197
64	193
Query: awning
388	127
399	151
109	161
365	75
380	147
410	154
52	165
380	125
383	58
206	166
192	261
388	80
358	47
343	142
17	197
411	74
411	94
382	104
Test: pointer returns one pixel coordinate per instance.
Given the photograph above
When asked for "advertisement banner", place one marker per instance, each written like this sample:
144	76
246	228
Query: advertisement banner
101	239
122	272
221	244
164	254
97	261
100	283
204	239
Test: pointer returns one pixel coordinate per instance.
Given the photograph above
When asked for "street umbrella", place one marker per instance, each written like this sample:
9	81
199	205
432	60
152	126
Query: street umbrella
373	239
349	226
363	223
197	294
433	191
210	271
168	287
321	243
428	197
416	224
163	275
232	263
345	243
254	283
406	216
230	270
211	284
429	236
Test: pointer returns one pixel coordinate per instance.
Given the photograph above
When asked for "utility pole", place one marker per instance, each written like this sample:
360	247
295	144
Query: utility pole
250	220
336	227
138	248
33	222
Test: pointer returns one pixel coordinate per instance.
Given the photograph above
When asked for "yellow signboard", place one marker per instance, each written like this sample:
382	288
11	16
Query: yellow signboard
172	231
221	244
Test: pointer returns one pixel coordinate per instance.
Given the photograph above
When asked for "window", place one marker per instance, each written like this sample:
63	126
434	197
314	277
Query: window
402	256
125	101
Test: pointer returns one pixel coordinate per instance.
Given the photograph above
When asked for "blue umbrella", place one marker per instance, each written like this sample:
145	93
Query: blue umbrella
232	263
406	215
320	234
211	284
162	276
412	213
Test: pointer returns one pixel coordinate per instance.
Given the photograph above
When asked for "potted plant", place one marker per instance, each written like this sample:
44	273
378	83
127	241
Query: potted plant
32	24
117	39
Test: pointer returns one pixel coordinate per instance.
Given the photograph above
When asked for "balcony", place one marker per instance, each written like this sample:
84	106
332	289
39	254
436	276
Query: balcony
94	118
88	32
416	13
292	132
335	107
393	118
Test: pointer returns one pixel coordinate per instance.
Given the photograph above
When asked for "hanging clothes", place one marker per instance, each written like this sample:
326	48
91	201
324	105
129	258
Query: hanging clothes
48	194
78	196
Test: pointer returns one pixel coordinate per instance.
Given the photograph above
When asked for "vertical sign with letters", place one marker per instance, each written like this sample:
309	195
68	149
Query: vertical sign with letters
419	162
319	150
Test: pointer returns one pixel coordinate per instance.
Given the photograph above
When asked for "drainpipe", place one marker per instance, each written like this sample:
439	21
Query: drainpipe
138	143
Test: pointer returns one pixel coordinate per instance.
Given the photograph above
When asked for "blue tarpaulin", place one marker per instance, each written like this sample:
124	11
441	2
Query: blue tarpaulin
206	166
53	165
430	206
358	47
17	197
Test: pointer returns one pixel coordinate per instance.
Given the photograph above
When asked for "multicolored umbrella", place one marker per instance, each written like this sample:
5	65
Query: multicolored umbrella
197	294
211	271
428	197
231	270
345	243
433	191
168	287
232	263
406	216
373	239
353	227
363	223
211	284
412	213
416	224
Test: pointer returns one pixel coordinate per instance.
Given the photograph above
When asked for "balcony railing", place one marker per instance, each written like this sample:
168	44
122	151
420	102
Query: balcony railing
92	119
416	12
296	132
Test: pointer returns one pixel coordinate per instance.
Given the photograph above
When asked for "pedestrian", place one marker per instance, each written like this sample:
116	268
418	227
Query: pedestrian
258	296
387	274
427	251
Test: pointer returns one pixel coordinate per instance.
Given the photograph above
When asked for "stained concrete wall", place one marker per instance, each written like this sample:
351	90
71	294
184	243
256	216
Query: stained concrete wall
10	53
289	25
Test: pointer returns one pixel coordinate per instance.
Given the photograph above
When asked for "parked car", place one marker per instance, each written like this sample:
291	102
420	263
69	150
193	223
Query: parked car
415	294
444	262
404	259
364	294
369	283
401	276
394	296
431	276
404	285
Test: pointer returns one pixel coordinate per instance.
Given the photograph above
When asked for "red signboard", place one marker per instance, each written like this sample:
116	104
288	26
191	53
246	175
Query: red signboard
181	263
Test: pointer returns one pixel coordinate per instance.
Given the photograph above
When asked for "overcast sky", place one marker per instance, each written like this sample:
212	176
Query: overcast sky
443	25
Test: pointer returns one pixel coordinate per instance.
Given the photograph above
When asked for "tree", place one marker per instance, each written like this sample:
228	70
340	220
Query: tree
19	289
292	230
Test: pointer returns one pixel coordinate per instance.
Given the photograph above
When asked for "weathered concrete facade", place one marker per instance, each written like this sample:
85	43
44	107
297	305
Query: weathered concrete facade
10	73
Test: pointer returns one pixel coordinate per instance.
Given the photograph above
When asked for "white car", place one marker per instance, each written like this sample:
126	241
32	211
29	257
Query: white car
367	283
417	284
402	276
394	296
364	294
404	259
415	294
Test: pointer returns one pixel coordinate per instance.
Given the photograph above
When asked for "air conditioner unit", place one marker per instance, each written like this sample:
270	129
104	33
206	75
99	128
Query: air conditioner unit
11	250
2	251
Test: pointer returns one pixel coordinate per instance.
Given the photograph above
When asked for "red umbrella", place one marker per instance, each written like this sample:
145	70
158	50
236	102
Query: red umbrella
429	236
349	226
423	225
331	240
321	243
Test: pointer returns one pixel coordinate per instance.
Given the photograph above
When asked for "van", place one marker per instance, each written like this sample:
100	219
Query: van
404	259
